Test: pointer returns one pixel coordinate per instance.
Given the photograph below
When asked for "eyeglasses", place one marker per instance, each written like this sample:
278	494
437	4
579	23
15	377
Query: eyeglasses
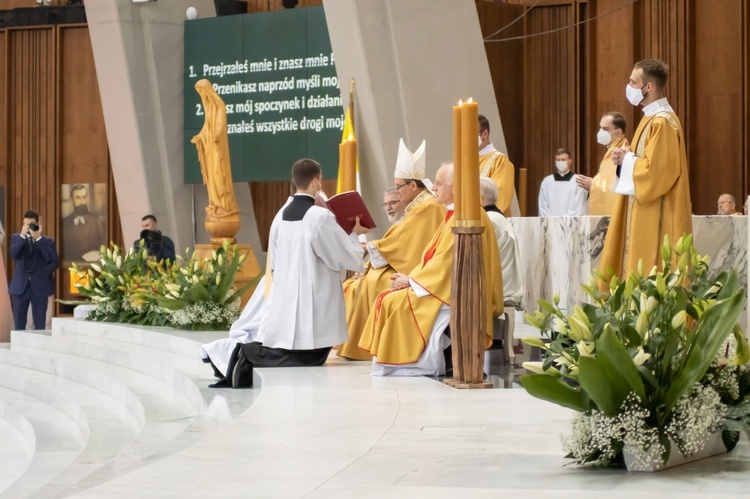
390	203
400	186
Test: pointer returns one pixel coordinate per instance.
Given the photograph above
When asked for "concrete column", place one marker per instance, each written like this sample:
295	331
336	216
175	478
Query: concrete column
139	54
412	60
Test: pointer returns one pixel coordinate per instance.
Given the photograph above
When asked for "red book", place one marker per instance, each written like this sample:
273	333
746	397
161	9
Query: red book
347	206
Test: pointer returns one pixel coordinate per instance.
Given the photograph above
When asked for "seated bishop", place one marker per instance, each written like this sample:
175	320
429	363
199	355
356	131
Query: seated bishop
405	329
308	251
399	250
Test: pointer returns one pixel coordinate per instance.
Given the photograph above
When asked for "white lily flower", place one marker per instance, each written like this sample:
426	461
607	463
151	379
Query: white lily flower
641	357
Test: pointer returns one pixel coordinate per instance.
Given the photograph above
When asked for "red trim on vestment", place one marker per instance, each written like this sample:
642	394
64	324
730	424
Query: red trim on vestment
431	294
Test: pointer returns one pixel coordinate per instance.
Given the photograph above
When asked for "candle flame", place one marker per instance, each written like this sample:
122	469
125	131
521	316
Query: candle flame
351	137
470	100
460	102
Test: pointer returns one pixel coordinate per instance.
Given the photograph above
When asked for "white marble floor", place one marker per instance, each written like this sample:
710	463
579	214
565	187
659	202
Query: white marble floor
335	431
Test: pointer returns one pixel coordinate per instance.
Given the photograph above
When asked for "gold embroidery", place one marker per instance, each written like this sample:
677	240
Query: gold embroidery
425	194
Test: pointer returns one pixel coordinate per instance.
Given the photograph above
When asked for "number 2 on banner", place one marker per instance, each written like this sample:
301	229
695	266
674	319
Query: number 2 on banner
198	110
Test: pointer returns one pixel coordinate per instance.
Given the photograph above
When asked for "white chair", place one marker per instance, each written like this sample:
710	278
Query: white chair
502	329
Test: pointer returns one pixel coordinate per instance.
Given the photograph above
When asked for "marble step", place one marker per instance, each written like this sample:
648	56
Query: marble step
58	438
111	427
185	393
178	342
18	444
166	431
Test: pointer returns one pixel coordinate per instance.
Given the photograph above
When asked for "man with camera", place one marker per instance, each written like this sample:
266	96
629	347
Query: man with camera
157	245
35	260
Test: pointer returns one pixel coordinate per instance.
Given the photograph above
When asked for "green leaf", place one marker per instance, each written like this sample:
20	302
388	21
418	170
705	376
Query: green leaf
606	395
618	365
730	439
555	390
648	376
710	333
198	292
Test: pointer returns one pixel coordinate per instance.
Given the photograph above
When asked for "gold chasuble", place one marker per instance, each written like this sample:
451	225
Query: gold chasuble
401	247
400	323
601	198
661	203
498	167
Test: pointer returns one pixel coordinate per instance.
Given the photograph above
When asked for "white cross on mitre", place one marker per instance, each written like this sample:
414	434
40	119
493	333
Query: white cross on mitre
411	165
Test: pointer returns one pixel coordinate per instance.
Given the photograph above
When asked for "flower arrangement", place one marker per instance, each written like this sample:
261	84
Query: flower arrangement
639	364
192	293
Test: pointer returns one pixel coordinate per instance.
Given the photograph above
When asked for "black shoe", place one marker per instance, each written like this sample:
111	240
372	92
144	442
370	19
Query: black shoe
224	383
242	374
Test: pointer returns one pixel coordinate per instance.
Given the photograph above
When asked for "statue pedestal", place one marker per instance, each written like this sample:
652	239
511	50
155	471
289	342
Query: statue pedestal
248	271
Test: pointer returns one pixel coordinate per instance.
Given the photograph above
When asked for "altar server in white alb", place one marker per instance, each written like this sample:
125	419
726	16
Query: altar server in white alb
560	195
308	252
245	329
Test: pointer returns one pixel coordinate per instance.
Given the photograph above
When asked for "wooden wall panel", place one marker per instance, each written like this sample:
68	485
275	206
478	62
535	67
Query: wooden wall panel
716	141
3	140
83	140
31	94
551	102
506	61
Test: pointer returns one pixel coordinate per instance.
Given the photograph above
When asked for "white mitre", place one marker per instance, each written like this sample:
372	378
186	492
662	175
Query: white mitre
411	165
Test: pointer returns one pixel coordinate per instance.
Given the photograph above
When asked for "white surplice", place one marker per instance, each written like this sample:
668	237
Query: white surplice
306	302
245	329
560	196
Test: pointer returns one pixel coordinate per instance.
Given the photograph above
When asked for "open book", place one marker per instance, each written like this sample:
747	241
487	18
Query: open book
347	206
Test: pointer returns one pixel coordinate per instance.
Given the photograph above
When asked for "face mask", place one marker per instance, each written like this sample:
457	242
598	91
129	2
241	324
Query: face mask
634	95
561	166
480	140
603	137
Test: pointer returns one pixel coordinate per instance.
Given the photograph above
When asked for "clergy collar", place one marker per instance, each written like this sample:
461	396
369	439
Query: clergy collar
304	194
564	178
657	106
492	207
487	149
449	206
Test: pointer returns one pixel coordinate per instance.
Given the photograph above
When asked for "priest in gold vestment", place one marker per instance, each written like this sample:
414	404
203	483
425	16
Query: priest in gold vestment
611	134
652	179
405	328
398	250
497	166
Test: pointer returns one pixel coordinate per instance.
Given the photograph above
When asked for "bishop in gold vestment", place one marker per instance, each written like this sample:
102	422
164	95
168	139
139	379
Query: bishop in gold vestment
398	251
402	321
656	194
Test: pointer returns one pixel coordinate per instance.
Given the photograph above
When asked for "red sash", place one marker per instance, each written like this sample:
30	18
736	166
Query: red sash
431	252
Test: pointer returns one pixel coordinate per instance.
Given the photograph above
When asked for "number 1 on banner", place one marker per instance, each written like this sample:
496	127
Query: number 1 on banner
192	72
198	110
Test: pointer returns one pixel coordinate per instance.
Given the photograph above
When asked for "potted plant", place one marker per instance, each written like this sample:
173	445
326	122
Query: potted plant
633	363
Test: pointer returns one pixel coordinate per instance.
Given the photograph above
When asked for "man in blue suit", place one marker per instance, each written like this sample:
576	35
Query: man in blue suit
35	261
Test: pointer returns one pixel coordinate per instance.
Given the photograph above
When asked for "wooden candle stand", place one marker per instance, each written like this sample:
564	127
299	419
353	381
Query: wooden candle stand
468	307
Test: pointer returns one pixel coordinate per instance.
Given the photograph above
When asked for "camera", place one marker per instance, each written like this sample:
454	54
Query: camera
33	227
151	241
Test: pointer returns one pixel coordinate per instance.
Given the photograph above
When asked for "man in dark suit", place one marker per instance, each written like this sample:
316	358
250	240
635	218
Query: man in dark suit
157	245
35	261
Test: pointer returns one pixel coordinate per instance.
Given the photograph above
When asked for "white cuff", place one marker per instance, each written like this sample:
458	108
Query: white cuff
376	259
625	185
418	290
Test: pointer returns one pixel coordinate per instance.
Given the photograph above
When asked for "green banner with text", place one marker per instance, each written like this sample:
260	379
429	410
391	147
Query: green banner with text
275	72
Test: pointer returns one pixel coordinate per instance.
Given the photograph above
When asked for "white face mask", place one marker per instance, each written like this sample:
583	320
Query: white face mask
634	95
561	166
480	140
603	137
